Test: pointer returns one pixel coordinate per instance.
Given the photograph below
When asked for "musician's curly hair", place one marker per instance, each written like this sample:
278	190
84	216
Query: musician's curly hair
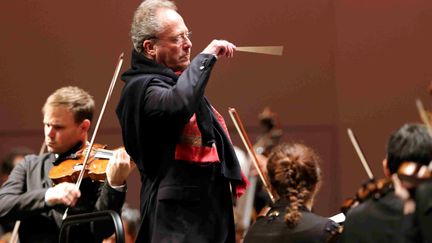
294	173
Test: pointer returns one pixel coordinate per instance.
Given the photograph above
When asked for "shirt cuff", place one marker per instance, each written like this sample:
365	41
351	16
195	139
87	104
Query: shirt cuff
121	188
46	201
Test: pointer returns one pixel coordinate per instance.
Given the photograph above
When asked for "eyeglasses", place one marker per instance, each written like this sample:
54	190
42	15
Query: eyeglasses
179	39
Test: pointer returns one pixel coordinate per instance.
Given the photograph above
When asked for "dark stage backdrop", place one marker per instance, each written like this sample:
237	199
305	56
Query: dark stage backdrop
357	64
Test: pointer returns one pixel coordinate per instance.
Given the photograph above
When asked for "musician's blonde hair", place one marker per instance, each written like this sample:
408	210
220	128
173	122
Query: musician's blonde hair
76	99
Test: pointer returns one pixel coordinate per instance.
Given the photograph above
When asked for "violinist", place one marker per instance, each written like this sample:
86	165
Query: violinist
270	137
423	212
294	173
384	217
30	196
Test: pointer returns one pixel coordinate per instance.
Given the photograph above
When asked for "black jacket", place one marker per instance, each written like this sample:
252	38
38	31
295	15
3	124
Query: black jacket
376	220
273	229
180	201
423	214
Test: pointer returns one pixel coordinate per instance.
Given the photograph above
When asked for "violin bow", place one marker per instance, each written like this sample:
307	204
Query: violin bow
244	137
426	120
14	236
360	153
43	148
90	146
424	115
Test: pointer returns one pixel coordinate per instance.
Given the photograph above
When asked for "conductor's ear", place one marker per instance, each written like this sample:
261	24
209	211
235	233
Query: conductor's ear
149	49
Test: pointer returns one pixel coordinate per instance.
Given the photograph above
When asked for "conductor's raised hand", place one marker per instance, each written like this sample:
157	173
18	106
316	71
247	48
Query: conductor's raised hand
220	48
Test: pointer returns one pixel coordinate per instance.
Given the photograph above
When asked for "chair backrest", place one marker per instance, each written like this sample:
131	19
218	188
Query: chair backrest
77	219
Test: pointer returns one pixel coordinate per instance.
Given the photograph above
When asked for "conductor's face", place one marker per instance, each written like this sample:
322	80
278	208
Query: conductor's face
172	47
61	131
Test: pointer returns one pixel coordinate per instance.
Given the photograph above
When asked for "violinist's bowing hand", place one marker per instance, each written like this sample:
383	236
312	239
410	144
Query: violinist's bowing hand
64	193
119	167
402	192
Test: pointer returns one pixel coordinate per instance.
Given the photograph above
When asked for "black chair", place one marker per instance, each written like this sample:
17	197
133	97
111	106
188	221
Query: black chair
85	218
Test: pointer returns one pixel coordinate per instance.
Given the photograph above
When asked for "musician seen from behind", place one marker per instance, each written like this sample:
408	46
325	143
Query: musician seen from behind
423	211
30	196
294	173
384	217
413	185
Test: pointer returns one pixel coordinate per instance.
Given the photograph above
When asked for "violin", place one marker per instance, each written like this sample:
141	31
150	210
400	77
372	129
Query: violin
371	189
69	168
84	166
411	174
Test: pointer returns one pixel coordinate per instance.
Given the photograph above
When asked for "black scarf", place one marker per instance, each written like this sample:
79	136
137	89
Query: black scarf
142	65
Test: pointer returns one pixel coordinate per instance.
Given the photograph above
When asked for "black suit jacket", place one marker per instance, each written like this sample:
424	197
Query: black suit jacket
22	197
423	214
377	220
273	229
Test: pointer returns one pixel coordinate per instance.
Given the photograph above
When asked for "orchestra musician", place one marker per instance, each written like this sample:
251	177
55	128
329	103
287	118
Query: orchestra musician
131	221
10	160
423	212
295	175
256	197
177	139
30	196
385	217
270	137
